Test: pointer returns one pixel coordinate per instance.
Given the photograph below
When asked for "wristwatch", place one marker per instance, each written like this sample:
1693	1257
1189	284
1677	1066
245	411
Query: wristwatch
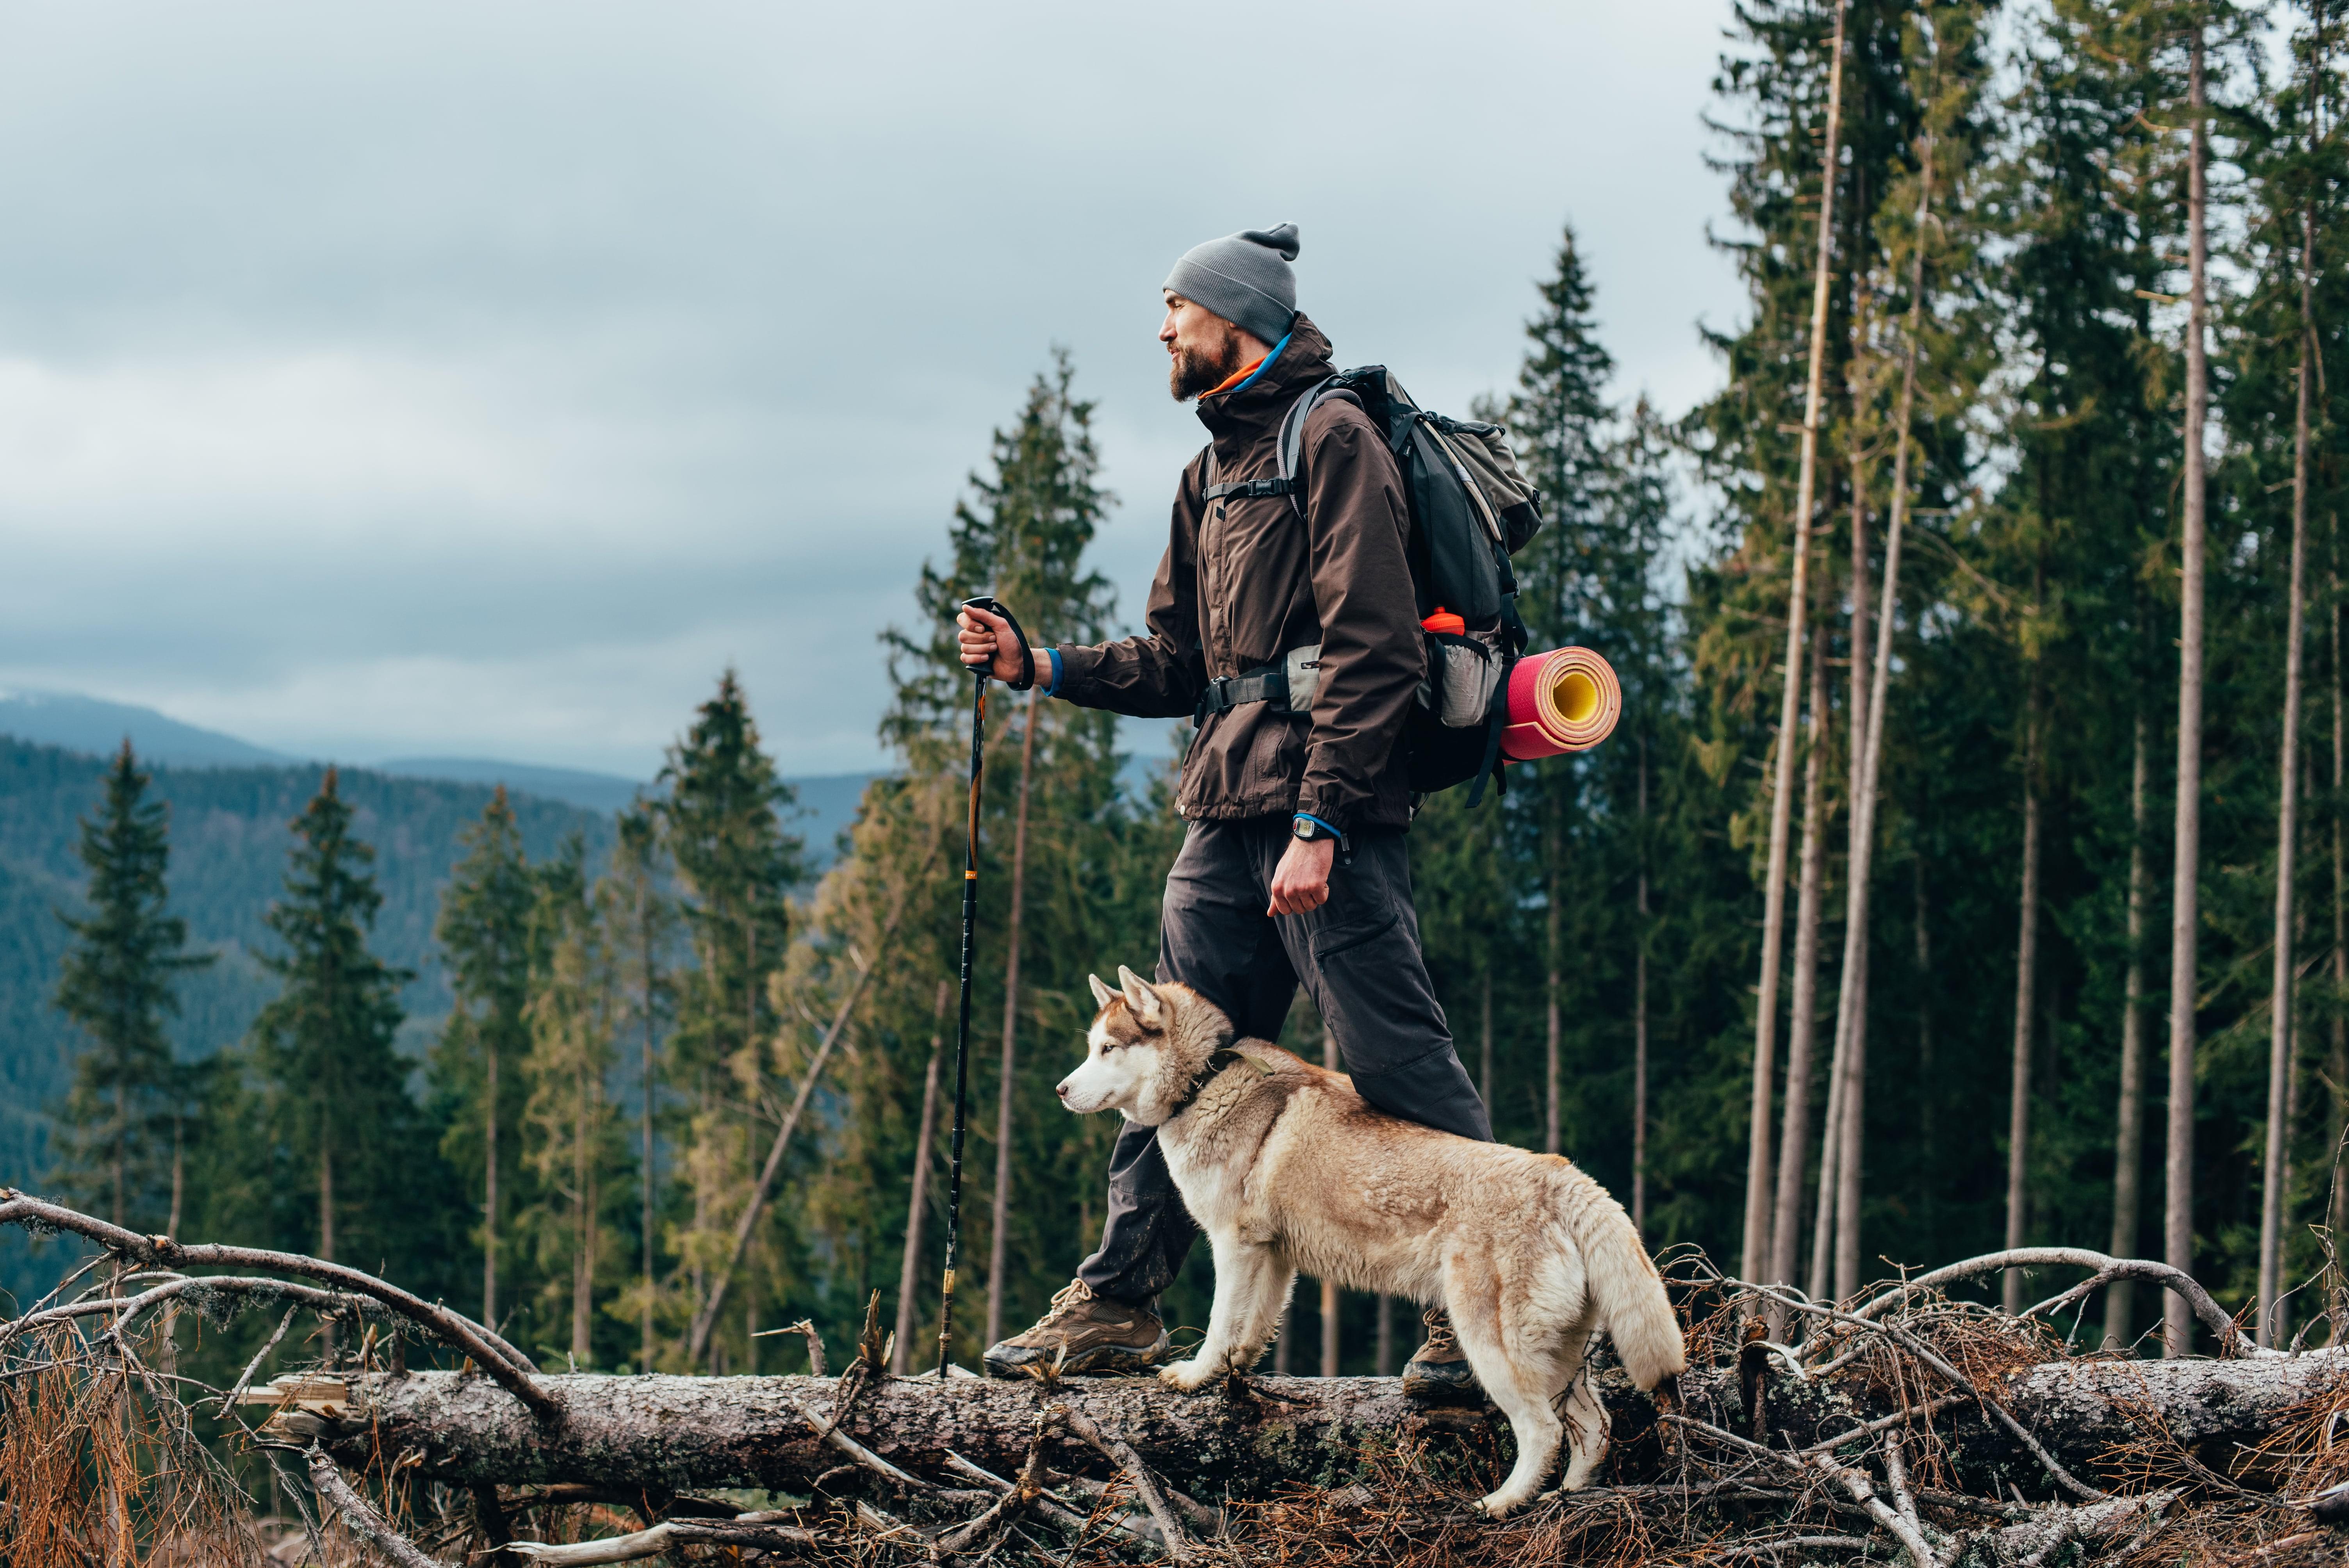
1308	828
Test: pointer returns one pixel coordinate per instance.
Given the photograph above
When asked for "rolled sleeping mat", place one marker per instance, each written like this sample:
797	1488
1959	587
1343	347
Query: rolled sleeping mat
1564	700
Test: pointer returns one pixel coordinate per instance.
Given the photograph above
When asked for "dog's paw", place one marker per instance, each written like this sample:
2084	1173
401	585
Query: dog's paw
1187	1376
1495	1506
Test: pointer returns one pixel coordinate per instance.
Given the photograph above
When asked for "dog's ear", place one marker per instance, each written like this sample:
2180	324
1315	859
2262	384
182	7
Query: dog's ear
1148	1010
1101	992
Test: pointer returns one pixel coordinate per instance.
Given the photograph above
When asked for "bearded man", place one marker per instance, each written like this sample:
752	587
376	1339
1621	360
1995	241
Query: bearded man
1293	868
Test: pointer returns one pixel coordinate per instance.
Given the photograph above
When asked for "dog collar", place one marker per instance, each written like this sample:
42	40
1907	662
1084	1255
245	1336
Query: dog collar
1224	1058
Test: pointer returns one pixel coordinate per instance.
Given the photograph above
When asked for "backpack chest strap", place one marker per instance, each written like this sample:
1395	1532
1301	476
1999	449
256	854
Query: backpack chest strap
1246	489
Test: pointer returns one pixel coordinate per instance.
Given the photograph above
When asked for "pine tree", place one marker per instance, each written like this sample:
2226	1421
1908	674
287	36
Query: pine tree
1792	88
335	1096
2082	193
722	825
485	932
2295	163
1034	518
574	1142
1024	535
1825	124
121	1127
1640	633
1558	419
1920	323
641	927
1560	425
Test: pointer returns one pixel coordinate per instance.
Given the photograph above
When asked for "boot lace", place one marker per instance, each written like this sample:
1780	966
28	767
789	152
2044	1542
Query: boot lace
1439	1332
1066	1300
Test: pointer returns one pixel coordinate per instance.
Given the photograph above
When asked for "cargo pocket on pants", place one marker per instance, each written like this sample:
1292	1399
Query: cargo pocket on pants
1375	989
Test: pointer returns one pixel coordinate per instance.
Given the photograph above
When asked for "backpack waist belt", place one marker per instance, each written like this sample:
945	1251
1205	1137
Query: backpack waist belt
1290	683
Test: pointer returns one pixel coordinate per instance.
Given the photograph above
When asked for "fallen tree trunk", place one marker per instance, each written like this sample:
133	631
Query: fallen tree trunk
675	1434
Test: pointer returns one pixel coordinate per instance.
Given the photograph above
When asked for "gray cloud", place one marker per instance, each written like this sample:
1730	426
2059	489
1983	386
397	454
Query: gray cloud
457	378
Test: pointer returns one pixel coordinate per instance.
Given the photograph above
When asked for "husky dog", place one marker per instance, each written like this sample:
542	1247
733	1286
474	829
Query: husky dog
1286	1168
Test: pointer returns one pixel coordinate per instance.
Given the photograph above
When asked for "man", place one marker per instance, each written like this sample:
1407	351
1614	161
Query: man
1294	866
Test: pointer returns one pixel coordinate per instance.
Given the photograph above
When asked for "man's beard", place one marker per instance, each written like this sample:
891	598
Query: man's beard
1205	367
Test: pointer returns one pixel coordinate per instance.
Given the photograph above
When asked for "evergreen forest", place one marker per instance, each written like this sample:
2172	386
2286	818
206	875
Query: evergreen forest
1968	867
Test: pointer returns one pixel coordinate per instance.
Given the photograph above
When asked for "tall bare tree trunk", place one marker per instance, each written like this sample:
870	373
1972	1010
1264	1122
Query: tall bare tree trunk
1757	1244
1330	1346
917	1206
2185	904
1802	1033
1000	1230
490	1191
2279	995
1386	1365
2295	1103
1640	1019
1850	1067
2337	1204
2026	978
2129	1141
1867	750
1794	1126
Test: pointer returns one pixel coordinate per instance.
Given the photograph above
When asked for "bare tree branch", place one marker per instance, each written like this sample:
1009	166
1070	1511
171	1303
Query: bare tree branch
507	1366
336	1491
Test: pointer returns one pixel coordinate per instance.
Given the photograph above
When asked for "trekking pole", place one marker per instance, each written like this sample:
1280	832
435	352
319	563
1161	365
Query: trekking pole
969	938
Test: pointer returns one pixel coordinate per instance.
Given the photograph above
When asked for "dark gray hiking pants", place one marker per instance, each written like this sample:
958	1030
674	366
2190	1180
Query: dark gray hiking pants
1360	959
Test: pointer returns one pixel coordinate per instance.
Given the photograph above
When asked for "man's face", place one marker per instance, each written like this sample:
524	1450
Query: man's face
1204	347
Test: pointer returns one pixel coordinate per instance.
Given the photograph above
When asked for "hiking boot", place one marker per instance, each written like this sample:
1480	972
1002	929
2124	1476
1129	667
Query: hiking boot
1099	1335
1437	1374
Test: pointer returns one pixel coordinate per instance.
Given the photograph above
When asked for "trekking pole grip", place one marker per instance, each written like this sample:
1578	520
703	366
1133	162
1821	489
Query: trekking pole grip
994	606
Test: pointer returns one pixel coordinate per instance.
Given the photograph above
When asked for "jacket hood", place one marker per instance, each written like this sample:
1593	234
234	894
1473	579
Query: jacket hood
1267	398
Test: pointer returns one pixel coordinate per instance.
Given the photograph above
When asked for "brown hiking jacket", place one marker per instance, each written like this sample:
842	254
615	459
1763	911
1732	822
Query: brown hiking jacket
1245	580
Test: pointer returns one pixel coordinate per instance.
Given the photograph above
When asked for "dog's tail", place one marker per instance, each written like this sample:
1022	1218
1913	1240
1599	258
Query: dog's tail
1631	1300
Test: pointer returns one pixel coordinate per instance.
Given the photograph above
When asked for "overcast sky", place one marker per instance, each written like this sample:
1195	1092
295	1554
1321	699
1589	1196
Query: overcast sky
478	380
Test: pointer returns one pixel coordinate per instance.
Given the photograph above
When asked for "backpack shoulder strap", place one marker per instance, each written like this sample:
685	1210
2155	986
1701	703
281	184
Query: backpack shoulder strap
1292	433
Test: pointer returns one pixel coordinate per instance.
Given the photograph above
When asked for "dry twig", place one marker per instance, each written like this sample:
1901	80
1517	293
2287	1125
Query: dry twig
1178	1545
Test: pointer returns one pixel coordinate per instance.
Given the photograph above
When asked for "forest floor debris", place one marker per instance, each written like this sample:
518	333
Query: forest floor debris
1908	1426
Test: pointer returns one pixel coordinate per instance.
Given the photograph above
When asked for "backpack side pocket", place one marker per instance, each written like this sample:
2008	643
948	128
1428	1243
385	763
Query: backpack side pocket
1462	674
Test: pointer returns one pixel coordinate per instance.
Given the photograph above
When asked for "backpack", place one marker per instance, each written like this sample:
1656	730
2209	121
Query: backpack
1471	509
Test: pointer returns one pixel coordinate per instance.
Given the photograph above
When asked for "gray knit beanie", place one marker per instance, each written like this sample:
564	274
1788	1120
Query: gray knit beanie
1244	278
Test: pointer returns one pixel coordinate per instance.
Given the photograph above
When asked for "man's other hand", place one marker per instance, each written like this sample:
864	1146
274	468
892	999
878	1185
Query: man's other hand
1301	880
988	643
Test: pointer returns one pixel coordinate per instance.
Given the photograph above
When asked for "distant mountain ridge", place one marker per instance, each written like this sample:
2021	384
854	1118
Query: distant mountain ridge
578	786
95	726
